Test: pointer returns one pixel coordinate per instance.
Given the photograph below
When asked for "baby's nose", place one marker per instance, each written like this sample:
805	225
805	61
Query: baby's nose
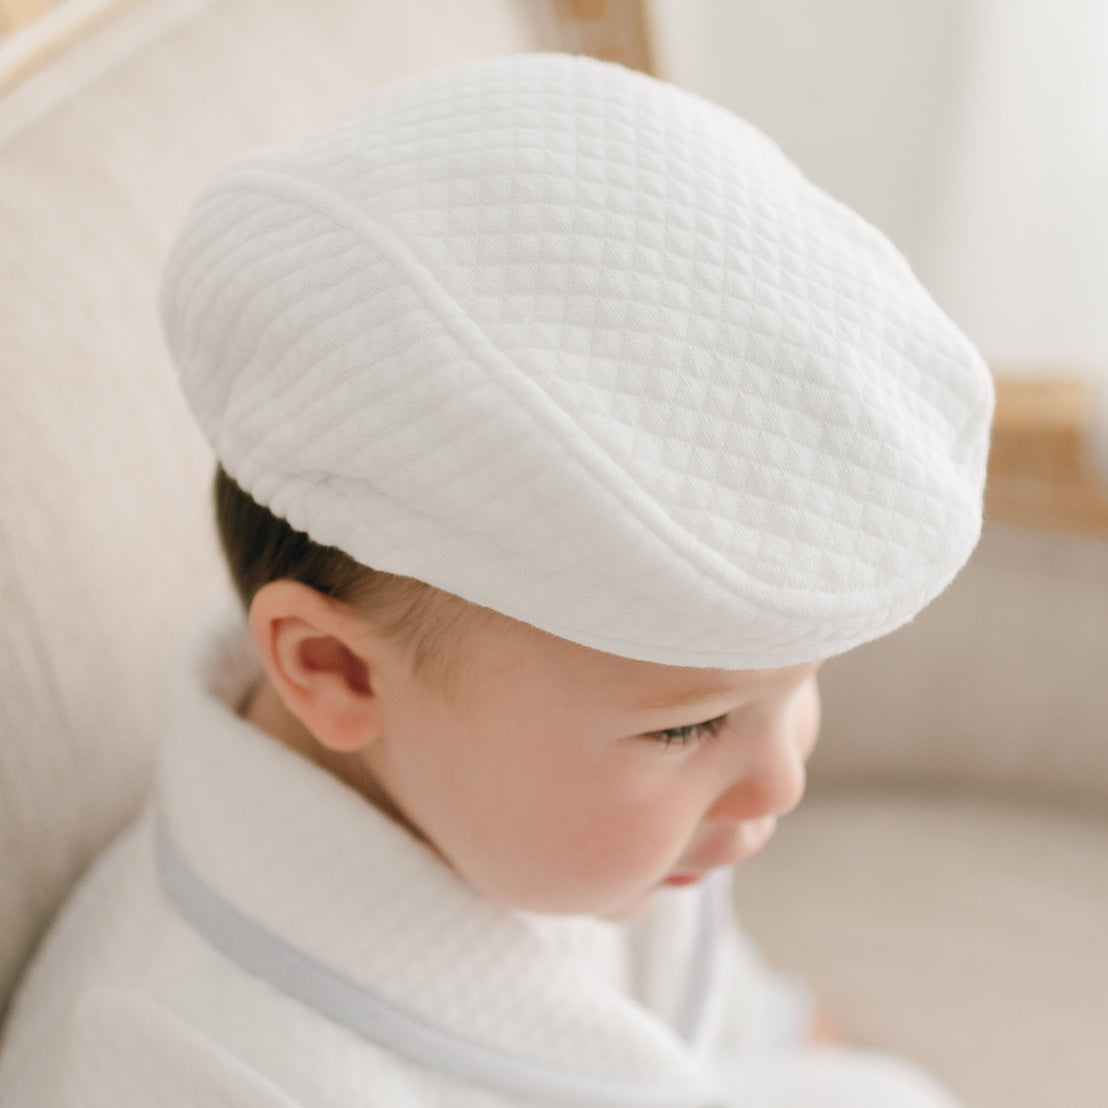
770	783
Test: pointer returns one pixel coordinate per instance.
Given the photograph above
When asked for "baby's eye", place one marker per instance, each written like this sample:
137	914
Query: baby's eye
689	733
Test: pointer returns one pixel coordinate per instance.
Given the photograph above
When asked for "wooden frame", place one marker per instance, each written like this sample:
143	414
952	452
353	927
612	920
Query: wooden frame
16	14
37	30
615	30
1041	469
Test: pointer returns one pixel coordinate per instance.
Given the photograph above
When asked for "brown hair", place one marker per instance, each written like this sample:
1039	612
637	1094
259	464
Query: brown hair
261	547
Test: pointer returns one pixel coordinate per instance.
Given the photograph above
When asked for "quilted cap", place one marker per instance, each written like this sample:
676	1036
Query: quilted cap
586	349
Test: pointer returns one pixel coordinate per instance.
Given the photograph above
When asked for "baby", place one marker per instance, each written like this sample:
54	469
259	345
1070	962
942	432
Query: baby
563	431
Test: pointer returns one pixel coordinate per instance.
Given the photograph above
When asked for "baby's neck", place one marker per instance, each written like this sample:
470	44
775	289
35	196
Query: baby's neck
268	712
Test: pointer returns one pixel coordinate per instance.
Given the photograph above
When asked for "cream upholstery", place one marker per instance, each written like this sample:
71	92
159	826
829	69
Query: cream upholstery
963	929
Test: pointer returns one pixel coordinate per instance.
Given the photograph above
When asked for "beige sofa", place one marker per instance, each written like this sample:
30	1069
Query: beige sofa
944	885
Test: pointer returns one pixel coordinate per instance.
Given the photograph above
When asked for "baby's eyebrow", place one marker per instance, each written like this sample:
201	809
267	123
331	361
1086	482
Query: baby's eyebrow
673	701
752	682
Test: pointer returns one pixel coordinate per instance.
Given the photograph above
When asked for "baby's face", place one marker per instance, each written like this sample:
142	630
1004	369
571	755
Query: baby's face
564	780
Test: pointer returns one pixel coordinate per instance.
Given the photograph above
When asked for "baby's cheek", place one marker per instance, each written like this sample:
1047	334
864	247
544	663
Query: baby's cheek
808	718
640	843
588	863
568	837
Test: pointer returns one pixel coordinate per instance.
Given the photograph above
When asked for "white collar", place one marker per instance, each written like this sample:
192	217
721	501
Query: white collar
300	880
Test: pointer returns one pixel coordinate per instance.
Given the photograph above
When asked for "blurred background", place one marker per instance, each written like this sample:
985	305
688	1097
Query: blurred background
944	884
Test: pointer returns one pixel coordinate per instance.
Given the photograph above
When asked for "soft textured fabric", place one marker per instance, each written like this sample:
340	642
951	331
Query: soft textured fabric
141	996
583	348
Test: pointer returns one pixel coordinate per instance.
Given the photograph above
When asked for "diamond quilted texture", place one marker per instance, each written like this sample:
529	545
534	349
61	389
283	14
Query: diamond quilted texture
584	348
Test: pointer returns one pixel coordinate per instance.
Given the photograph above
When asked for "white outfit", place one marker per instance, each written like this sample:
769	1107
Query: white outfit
263	937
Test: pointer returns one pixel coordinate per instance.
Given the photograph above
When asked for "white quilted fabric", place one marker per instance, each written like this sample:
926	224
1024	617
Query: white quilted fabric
586	349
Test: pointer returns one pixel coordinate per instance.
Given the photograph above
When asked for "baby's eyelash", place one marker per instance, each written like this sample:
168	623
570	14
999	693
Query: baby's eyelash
689	733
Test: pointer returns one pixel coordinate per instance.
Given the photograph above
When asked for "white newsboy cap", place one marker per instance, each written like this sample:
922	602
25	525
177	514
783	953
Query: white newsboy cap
586	349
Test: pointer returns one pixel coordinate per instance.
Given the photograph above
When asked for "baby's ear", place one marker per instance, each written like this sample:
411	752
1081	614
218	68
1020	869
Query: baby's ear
323	660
